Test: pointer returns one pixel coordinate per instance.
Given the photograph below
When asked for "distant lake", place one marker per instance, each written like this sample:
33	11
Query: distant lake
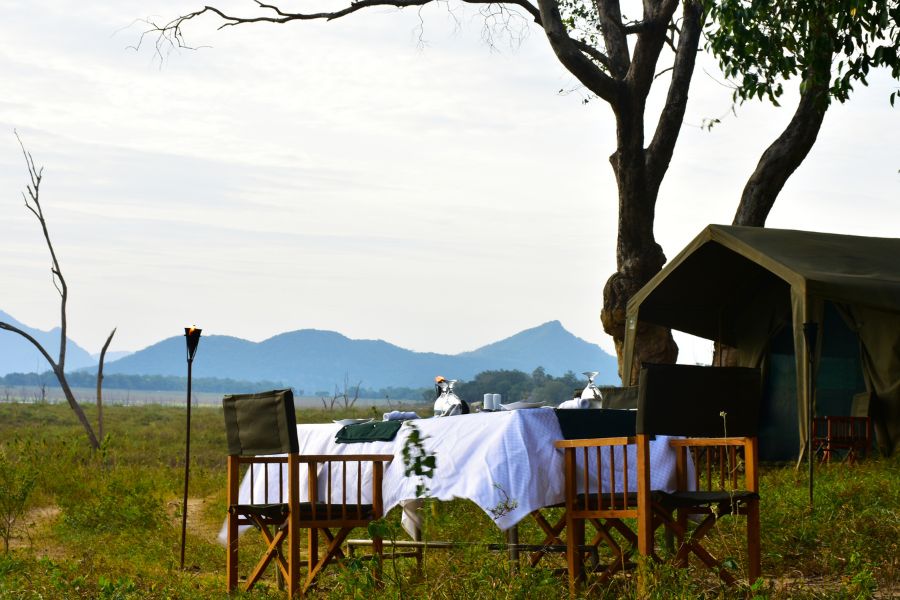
54	395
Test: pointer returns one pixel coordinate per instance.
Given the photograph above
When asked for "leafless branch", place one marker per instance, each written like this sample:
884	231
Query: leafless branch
100	383
171	34
33	203
663	72
31	339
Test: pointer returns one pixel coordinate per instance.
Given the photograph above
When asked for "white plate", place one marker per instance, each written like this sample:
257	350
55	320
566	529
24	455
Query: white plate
520	405
351	421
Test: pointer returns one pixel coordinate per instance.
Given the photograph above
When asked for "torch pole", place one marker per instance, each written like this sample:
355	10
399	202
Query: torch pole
187	463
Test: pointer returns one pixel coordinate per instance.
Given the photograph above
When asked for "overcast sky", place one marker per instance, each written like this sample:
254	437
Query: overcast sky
344	176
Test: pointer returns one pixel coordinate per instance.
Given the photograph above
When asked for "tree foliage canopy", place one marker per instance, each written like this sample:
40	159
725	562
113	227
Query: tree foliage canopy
761	43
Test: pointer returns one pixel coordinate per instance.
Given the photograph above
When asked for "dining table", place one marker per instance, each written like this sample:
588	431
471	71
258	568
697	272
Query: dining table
504	462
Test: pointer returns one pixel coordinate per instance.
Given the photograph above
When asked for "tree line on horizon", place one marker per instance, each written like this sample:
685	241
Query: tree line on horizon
513	385
516	386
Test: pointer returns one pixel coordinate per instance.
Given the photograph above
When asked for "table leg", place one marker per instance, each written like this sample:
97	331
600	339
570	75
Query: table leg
512	540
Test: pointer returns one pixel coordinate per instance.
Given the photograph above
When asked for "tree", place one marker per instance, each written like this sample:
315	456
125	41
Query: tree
763	43
616	59
33	204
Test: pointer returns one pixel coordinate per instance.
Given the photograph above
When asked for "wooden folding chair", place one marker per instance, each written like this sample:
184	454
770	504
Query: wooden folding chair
620	398
717	409
850	437
600	489
259	426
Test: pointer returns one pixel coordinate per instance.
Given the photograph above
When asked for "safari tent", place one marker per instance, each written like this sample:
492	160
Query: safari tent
754	289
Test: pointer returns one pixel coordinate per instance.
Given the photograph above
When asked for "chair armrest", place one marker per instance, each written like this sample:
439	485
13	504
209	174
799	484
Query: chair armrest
320	458
723	441
590	443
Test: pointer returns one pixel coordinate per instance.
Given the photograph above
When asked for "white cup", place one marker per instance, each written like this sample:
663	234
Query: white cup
488	403
497	398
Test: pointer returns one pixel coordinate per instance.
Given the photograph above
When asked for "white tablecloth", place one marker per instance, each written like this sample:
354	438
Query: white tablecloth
504	462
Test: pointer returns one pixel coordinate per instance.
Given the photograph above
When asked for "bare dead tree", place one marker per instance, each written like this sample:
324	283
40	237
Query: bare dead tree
328	403
100	383
33	204
348	403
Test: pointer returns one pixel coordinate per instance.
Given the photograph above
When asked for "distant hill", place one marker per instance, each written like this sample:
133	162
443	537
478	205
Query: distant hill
18	355
550	346
315	360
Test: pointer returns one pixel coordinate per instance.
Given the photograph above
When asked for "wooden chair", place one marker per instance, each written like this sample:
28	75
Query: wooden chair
623	398
259	426
847	436
717	410
600	489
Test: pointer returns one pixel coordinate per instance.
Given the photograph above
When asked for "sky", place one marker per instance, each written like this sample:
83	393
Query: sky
390	175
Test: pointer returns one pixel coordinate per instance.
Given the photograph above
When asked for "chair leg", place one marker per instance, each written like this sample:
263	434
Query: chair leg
231	565
312	548
378	552
334	548
754	552
271	552
574	542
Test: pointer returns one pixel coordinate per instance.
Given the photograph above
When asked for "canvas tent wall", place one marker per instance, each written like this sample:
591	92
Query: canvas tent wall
742	285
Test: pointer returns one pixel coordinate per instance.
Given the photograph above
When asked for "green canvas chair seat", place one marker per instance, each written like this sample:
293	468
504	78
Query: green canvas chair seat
276	513
723	500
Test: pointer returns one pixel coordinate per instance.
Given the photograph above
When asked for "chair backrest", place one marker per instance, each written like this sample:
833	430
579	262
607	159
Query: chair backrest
619	398
687	400
262	423
589	423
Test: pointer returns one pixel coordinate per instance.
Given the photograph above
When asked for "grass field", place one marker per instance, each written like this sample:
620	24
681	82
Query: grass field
107	524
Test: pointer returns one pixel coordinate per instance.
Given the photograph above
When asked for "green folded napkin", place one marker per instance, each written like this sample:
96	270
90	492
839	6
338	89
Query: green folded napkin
377	431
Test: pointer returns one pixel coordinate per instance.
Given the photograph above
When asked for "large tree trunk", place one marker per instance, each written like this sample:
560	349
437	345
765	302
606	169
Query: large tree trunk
786	153
638	256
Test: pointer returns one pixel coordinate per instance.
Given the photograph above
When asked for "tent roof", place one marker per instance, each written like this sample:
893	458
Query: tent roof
726	268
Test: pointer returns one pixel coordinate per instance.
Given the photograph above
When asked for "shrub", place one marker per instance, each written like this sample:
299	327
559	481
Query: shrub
117	501
17	480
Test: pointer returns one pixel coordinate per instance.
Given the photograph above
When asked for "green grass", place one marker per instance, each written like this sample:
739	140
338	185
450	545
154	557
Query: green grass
107	525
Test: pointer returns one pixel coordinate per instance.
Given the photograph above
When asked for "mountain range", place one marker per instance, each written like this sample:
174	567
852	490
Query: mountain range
314	360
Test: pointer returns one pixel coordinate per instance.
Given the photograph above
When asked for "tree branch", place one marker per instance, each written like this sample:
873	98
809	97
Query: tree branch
572	57
648	46
100	383
594	53
171	32
33	341
662	146
783	156
33	203
614	35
